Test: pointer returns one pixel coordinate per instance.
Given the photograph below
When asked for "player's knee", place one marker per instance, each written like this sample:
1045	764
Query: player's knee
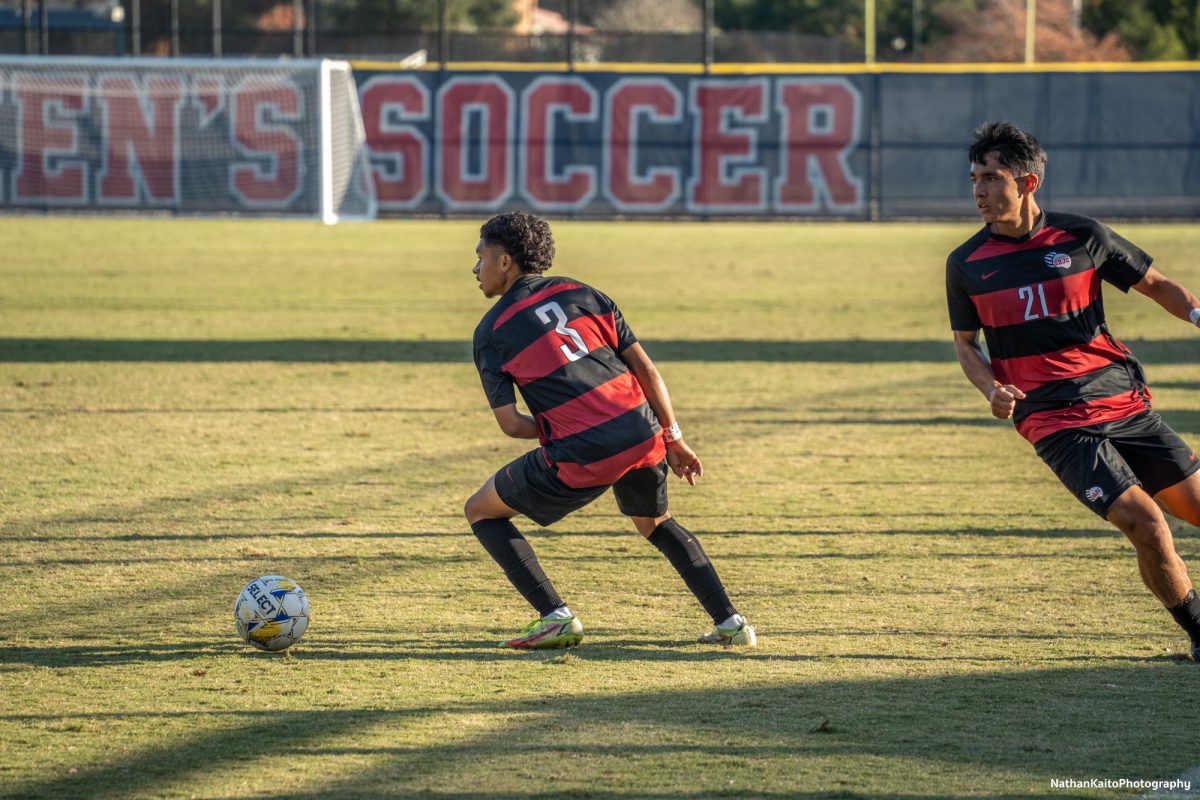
1151	533
471	507
645	525
1163	545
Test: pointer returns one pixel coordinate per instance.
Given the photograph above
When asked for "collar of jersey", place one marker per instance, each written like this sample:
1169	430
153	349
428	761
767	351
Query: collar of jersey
1038	224
522	281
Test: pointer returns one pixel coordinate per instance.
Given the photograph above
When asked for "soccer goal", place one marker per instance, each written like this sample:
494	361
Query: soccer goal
184	136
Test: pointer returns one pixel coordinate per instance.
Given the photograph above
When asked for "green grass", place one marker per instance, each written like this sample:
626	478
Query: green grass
185	405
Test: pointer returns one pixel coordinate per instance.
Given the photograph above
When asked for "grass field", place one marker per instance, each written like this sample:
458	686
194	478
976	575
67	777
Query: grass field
185	405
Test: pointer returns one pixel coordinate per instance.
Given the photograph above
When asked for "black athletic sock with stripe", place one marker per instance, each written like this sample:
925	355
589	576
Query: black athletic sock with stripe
1187	614
686	555
513	553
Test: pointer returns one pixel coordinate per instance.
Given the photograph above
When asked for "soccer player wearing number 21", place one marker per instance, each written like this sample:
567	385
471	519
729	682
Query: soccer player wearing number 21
1031	280
602	415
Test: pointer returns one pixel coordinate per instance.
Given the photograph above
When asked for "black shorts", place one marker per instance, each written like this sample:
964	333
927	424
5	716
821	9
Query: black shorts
531	486
1099	462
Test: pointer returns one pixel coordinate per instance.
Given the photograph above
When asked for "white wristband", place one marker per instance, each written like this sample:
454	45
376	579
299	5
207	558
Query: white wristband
1194	316
672	434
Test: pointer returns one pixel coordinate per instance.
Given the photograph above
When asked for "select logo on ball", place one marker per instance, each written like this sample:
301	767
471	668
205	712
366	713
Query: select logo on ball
271	613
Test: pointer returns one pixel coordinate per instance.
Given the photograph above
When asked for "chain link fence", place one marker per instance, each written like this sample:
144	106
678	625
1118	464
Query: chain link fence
303	28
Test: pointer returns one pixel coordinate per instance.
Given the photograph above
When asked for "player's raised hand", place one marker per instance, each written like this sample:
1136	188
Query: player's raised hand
684	462
1004	399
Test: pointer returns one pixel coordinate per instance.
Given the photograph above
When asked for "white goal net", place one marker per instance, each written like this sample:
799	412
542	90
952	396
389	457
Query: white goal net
188	136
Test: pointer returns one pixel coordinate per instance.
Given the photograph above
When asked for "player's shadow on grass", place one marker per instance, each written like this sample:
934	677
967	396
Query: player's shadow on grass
45	350
535	533
243	536
1008	732
109	655
616	646
857	351
313	564
621	530
603	645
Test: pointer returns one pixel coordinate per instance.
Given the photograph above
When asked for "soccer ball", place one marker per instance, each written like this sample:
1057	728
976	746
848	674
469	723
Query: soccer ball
271	613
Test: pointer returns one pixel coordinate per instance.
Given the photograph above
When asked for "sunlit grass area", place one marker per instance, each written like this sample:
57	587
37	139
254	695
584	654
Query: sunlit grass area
186	405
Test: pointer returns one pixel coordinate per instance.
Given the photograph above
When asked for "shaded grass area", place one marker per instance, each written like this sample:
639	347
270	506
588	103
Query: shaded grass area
184	409
749	741
853	351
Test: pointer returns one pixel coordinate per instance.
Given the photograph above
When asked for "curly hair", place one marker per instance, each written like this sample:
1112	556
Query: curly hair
1015	149
524	237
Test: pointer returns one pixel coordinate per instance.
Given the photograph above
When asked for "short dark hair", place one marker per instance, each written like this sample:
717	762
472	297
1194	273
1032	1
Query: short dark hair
1015	149
524	237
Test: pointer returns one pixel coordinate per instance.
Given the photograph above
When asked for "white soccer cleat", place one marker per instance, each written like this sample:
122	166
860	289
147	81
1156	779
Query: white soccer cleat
545	634
740	635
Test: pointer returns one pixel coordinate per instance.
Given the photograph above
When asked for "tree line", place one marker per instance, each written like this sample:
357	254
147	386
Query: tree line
926	30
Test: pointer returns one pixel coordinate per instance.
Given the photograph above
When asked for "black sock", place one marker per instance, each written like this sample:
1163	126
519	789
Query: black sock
508	547
1187	614
686	555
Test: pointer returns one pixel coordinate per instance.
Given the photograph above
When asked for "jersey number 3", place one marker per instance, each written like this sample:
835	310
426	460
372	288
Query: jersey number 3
552	312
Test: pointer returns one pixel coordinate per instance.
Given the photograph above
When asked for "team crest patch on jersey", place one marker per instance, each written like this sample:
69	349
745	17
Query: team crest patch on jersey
1057	260
1093	494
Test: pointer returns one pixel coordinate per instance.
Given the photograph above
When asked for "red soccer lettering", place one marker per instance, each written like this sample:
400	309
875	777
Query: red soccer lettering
820	121
262	117
630	103
475	170
399	150
545	101
140	141
721	179
51	169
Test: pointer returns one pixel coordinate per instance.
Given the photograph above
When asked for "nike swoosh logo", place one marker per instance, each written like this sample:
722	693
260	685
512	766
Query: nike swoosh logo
987	275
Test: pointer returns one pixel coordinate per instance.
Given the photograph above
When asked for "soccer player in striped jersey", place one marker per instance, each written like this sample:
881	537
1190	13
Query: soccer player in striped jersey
1031	280
602	415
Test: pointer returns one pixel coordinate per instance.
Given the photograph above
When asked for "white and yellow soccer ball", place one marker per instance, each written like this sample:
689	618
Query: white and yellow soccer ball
271	613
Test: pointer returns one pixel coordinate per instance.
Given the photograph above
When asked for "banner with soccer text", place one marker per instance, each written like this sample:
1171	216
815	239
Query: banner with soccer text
184	136
230	136
864	143
603	144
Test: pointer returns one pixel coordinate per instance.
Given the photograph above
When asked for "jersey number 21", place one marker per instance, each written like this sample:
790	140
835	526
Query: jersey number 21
545	313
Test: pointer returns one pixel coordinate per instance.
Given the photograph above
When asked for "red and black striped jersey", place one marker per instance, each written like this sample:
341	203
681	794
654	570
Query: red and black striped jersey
1037	299
559	342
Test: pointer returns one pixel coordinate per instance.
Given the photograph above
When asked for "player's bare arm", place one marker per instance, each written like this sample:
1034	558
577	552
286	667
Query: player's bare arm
1172	296
1002	397
682	460
516	424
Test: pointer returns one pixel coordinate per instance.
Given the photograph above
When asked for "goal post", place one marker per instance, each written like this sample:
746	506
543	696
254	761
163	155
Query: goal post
183	136
347	188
